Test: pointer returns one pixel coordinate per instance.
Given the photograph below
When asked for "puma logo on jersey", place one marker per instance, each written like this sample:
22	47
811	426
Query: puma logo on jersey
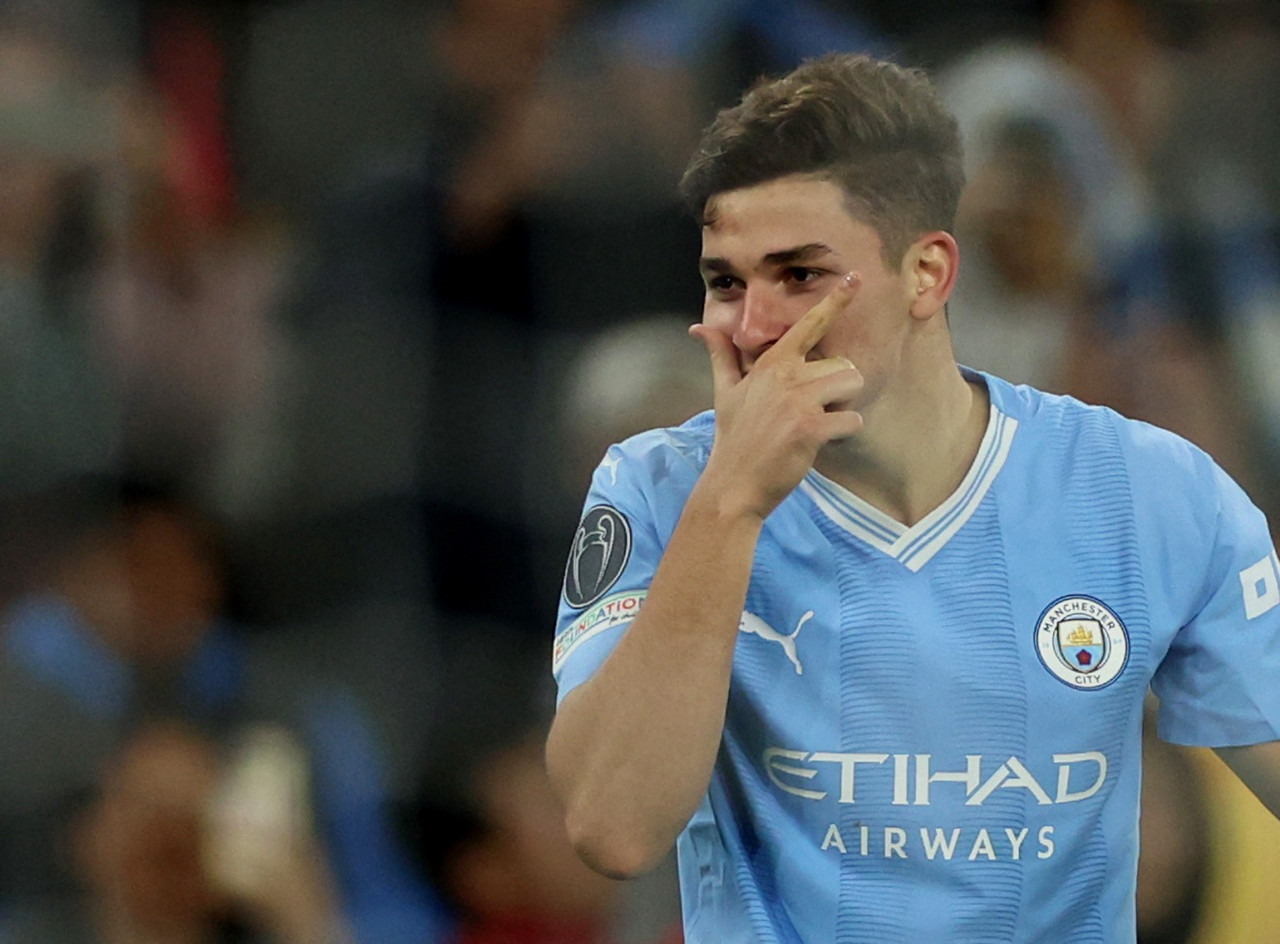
754	625
610	462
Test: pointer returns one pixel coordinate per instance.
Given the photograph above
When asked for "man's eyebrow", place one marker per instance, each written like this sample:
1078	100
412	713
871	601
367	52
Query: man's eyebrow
806	253
717	265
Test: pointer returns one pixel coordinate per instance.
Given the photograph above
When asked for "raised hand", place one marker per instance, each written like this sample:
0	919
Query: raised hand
772	420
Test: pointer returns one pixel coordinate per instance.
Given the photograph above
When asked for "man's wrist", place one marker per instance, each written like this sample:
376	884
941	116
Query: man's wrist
723	506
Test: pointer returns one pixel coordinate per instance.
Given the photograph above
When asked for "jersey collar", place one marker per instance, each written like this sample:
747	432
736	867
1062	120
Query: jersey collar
916	545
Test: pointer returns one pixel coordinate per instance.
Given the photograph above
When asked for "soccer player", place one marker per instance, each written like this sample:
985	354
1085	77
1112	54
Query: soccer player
870	642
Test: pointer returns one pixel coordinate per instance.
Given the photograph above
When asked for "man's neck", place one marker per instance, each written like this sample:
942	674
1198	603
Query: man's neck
915	449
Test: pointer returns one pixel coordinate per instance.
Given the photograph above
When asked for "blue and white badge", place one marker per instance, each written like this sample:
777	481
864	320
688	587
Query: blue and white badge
1082	642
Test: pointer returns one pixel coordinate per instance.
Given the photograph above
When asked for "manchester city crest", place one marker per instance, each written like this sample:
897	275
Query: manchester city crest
1082	642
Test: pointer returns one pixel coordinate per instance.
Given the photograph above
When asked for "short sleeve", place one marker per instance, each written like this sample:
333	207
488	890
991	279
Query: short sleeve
635	498
1219	683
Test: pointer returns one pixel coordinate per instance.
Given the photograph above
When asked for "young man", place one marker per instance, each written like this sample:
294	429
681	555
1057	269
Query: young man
871	642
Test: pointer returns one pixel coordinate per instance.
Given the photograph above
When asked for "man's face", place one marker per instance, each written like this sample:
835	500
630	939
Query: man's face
772	251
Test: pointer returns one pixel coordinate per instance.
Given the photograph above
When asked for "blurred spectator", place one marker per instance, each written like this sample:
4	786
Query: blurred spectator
1175	74
134	318
1072	280
299	421
1115	44
59	132
488	828
499	853
1216	172
126	626
1210	851
1058	217
1177	842
184	330
552	213
167	855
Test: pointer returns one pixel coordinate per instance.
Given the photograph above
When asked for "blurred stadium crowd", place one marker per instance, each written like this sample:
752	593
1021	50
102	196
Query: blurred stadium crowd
315	316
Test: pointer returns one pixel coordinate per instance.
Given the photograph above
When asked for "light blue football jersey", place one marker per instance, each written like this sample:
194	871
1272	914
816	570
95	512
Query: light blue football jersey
934	732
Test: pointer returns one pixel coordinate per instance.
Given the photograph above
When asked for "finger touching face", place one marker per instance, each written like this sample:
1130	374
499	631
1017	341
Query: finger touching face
802	337
776	261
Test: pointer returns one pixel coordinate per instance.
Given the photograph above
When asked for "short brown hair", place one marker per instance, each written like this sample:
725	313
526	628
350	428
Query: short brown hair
877	129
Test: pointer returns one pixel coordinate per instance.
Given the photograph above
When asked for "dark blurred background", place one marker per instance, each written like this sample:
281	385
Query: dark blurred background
315	317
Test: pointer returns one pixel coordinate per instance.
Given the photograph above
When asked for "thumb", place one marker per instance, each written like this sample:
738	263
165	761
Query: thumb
725	372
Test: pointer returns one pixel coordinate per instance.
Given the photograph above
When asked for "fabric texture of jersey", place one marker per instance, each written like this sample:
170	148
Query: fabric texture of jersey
934	732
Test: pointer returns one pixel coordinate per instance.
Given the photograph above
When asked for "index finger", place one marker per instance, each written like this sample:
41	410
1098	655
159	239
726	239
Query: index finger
801	337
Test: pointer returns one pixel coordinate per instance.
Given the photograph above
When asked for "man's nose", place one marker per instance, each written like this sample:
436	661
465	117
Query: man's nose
761	323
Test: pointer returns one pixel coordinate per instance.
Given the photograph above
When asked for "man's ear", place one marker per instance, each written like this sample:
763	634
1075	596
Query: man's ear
931	264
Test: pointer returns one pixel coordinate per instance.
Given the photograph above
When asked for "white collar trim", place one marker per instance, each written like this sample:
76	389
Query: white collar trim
915	546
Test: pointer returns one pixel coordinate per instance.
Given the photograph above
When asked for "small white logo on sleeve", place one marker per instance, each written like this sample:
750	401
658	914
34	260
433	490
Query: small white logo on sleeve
610	462
1261	586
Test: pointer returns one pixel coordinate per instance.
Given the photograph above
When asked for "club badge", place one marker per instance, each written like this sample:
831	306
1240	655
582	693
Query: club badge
1082	642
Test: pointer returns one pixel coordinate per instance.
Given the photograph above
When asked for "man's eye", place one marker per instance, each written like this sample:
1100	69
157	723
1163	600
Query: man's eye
720	283
800	275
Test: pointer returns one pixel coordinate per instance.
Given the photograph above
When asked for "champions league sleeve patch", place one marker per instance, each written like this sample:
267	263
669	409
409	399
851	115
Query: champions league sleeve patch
599	555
